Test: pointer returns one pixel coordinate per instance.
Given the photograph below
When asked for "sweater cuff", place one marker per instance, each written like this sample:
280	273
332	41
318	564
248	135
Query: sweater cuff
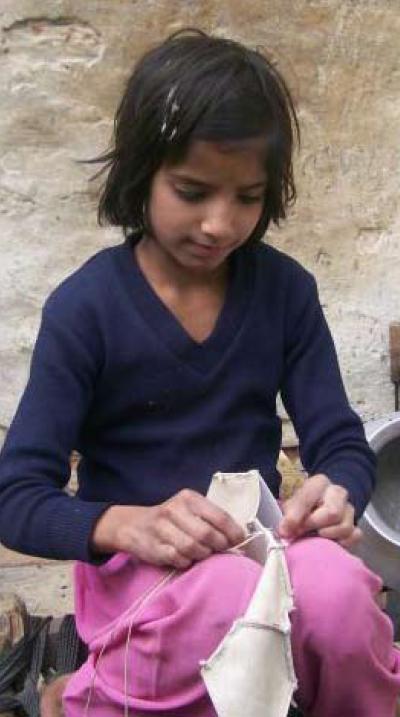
70	530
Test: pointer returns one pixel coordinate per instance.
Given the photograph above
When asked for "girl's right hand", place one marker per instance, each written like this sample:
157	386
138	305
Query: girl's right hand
186	528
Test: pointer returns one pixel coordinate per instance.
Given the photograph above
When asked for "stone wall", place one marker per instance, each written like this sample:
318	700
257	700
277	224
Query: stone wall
62	66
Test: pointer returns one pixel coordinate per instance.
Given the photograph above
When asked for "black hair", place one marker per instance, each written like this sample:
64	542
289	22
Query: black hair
195	86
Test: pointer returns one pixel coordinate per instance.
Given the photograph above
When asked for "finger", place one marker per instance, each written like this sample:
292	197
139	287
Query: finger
340	529
333	510
219	519
181	511
201	531
169	555
185	544
150	549
344	531
301	504
356	536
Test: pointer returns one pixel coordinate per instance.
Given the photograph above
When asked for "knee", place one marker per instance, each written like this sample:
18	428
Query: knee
334	593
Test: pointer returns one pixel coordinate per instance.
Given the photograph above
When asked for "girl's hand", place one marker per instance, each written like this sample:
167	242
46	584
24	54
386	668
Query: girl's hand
322	507
186	528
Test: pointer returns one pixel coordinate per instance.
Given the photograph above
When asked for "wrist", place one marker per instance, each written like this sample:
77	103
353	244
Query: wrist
120	529
100	540
107	534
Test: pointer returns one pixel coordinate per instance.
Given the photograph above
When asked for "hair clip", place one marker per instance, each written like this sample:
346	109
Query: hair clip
171	109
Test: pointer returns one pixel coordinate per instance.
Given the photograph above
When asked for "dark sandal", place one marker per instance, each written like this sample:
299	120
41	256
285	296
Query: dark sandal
47	649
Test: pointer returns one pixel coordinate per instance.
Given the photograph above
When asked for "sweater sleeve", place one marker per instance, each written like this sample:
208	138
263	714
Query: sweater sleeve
36	516
331	435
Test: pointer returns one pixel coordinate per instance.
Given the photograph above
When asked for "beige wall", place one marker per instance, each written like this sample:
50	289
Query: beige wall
62	65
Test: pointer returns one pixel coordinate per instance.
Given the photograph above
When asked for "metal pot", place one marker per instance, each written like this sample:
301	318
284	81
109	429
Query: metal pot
380	548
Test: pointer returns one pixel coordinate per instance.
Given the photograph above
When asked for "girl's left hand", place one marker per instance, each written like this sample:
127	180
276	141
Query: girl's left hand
322	507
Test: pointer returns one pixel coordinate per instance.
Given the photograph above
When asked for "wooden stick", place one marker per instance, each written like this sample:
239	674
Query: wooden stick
394	353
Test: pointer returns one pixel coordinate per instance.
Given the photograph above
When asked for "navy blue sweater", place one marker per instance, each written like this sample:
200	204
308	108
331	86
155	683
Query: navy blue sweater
115	376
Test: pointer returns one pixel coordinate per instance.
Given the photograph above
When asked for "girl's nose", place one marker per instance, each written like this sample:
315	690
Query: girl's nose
219	222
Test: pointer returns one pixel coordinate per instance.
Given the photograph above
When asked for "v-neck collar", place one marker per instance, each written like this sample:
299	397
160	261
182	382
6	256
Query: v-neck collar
201	356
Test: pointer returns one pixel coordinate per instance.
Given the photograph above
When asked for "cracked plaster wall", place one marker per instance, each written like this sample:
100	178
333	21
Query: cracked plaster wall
62	66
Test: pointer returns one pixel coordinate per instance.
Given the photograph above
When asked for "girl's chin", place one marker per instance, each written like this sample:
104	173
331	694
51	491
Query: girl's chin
208	255
203	263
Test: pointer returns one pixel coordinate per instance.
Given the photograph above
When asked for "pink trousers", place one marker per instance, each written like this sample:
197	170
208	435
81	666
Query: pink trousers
147	633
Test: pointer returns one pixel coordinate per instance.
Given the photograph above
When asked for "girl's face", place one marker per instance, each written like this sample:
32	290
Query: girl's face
208	205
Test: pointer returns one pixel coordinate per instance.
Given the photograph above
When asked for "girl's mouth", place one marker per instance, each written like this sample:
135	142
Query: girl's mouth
211	250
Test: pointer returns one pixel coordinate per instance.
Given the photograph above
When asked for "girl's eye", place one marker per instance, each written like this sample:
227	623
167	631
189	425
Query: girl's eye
246	199
190	195
198	195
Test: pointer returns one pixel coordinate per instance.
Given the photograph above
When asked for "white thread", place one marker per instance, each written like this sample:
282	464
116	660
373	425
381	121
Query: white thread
244	542
136	606
128	639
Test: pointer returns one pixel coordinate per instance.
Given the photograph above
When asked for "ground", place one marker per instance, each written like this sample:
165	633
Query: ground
44	585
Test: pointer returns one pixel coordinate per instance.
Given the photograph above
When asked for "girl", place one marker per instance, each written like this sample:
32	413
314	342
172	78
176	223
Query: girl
160	360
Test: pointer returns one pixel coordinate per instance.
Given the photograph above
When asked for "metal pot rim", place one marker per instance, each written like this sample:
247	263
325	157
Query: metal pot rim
379	433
